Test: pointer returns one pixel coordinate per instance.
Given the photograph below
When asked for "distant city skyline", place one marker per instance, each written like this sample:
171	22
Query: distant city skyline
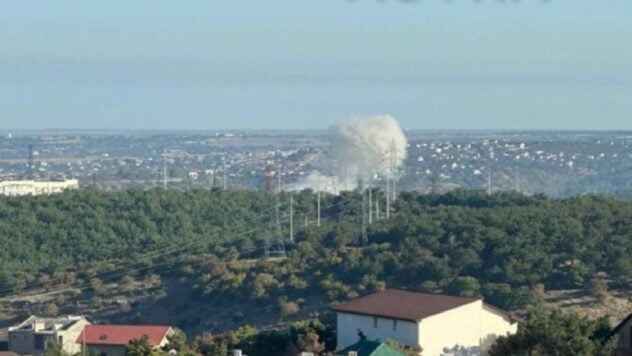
264	64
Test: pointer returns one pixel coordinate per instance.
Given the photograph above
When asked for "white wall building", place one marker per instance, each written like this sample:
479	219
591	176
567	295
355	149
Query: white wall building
438	324
35	187
36	335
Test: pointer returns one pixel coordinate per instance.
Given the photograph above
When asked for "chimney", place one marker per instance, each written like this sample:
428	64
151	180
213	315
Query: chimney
237	352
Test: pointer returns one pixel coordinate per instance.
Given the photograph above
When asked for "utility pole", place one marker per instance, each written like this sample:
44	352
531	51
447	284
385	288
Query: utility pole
291	217
279	181
30	163
318	201
434	184
164	170
393	169
388	196
370	206
365	239
489	181
517	181
215	183
224	173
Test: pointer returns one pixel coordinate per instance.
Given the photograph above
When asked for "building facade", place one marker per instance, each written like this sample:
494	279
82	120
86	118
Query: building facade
36	335
34	187
435	324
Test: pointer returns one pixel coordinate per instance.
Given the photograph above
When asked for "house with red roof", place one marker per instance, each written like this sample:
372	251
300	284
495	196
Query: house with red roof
434	323
111	340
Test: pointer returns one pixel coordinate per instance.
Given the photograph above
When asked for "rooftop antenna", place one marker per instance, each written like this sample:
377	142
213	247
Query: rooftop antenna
274	246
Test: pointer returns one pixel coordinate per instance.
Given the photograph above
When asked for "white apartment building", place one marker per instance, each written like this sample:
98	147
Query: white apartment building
36	187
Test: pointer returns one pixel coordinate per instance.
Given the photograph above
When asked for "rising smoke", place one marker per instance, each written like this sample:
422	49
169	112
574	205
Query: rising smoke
363	148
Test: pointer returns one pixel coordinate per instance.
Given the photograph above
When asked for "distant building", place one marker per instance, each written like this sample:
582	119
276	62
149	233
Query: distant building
110	340
36	335
36	187
624	333
437	324
369	348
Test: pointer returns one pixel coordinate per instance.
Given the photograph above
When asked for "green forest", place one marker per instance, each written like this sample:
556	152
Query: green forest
462	242
507	248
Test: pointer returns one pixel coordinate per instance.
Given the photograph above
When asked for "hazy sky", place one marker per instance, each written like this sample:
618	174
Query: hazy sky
168	64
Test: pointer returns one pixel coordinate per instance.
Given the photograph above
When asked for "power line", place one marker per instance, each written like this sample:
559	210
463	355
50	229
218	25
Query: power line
110	275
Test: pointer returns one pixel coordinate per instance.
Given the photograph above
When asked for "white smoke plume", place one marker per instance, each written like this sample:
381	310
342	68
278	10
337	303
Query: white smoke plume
363	148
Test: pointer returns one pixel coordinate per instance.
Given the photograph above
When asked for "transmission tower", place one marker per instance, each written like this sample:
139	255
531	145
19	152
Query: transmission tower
489	181
364	240
318	201
164	169
391	178
434	184
517	181
215	183
274	245
224	178
291	217
370	205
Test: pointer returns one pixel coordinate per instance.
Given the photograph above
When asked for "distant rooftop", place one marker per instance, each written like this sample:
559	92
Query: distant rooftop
45	324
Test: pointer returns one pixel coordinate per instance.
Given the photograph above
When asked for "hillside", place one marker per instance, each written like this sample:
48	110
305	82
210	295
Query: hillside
195	259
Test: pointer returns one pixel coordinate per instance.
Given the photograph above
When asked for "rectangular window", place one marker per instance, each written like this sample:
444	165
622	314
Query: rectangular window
631	337
60	340
39	342
375	322
394	324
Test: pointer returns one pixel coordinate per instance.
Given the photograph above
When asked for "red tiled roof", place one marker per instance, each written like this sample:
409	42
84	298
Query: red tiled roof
122	334
401	304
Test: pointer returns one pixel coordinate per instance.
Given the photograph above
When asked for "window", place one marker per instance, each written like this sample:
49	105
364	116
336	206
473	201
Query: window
39	342
375	322
60	340
394	324
631	337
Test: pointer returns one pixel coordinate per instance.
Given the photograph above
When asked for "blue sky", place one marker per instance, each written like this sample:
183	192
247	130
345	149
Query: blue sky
232	64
